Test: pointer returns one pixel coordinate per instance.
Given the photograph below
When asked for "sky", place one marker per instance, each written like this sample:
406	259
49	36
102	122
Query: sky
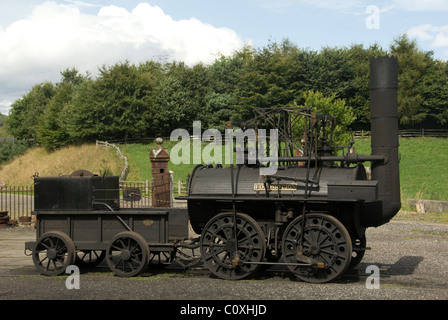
39	39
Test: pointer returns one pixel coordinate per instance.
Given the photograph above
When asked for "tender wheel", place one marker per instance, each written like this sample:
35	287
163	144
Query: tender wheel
325	240
89	258
54	252
227	256
127	254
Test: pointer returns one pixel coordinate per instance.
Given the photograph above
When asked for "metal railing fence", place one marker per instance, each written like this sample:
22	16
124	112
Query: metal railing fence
19	200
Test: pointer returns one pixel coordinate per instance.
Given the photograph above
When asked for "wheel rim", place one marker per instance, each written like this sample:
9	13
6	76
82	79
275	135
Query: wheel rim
325	240
54	252
90	258
219	249
127	254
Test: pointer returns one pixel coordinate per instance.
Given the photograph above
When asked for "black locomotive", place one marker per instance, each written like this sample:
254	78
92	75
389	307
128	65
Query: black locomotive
309	216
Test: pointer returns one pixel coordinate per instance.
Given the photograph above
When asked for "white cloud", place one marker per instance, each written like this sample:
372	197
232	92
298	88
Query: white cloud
435	36
4	106
438	35
422	5
358	6
441	37
422	32
56	36
342	6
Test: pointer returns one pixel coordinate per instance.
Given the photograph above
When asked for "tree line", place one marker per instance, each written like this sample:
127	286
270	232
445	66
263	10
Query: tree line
128	101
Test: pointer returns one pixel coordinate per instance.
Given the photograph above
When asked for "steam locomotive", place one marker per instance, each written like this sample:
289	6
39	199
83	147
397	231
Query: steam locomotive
310	216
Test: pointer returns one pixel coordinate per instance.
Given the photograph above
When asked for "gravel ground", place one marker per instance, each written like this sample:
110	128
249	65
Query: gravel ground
411	257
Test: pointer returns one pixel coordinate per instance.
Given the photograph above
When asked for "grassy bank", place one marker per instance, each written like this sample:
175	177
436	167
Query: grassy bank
98	160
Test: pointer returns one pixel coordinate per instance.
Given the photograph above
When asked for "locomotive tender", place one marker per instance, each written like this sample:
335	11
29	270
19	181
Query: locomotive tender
310	216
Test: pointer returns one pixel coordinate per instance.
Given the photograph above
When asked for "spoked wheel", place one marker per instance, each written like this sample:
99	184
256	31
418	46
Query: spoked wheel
54	252
325	240
89	258
227	256
127	254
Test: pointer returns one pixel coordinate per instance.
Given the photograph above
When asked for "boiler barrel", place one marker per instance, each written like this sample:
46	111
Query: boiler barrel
216	182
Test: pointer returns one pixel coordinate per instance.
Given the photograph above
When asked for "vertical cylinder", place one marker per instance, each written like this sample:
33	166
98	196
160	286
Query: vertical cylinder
384	131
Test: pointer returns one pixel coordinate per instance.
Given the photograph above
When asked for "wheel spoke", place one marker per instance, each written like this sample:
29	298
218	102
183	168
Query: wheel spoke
127	254
54	252
219	245
325	240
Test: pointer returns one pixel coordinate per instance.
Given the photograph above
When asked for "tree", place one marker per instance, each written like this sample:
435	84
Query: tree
180	98
4	132
52	131
359	98
114	106
221	95
26	113
269	77
329	72
434	93
411	67
331	106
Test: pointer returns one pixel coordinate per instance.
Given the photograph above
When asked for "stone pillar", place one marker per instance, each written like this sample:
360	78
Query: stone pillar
161	181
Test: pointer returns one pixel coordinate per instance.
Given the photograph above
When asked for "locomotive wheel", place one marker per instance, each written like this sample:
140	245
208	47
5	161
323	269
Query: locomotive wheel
227	258
325	240
127	254
53	253
89	258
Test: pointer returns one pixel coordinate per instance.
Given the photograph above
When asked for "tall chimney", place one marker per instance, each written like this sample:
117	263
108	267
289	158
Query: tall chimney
384	131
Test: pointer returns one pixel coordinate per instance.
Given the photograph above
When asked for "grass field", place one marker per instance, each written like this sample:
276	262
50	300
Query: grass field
423	167
140	166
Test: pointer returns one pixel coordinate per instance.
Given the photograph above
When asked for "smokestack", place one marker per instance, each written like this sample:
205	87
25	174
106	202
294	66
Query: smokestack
384	131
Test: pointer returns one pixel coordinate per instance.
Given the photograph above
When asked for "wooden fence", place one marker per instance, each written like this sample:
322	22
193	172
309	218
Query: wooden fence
19	201
411	133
